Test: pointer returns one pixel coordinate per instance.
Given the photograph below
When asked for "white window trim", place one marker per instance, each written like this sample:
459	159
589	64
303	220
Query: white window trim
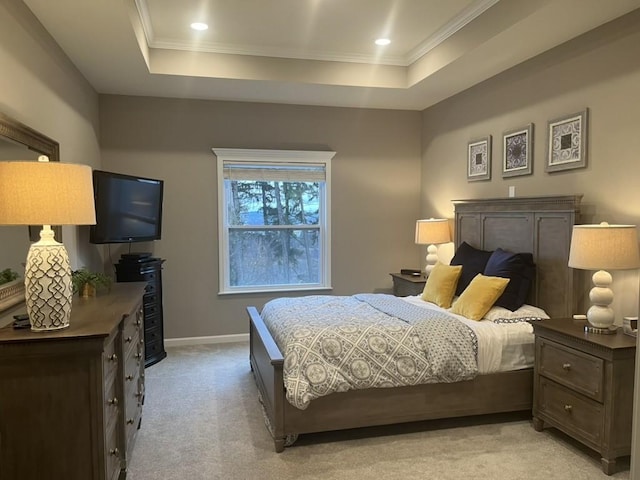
270	156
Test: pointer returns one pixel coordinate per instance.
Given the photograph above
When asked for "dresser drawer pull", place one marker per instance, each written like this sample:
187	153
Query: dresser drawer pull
129	421
138	355
138	322
113	401
566	366
113	358
568	408
128	339
139	394
114	451
129	377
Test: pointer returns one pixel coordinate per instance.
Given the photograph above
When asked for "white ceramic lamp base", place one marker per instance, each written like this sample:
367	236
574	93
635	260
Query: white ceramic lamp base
48	287
600	315
432	258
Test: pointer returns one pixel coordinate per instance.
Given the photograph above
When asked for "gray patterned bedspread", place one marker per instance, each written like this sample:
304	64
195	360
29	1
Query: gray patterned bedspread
338	343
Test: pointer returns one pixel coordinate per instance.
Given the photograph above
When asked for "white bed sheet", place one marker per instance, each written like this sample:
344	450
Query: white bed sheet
502	347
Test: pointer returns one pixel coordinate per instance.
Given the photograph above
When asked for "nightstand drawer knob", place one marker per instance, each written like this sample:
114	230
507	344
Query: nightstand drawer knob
114	451
568	408
566	366
113	401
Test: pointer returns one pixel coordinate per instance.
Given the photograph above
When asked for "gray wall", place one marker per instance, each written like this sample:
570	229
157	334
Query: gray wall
599	70
375	192
41	88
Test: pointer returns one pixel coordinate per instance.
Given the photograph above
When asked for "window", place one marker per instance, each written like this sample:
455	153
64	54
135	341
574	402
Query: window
274	228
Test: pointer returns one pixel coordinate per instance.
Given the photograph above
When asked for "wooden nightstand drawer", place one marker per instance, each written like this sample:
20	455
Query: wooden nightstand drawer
575	414
577	370
583	385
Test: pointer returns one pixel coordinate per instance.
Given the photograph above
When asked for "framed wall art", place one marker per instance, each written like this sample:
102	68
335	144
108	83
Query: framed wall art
517	151
567	142
479	159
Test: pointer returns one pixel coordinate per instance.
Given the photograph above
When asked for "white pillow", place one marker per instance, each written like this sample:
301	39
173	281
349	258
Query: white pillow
525	312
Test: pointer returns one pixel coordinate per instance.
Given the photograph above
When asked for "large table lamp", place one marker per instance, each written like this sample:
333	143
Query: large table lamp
46	193
603	247
431	232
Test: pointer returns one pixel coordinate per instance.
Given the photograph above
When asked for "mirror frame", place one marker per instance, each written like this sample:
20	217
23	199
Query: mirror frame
28	137
12	293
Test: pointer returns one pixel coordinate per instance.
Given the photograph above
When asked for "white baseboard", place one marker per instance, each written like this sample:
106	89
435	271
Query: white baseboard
180	342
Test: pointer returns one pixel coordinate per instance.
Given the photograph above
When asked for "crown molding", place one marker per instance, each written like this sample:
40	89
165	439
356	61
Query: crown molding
454	25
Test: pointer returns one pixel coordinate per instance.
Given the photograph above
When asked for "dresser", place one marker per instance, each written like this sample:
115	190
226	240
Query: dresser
407	285
71	400
583	386
148	270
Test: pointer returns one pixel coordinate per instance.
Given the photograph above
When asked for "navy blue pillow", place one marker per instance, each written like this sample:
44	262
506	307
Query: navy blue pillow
473	262
519	269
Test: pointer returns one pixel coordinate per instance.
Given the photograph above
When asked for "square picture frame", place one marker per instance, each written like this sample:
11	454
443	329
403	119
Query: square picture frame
567	142
517	151
479	159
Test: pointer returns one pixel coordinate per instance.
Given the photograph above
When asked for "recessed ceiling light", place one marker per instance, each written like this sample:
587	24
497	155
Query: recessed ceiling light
383	41
199	26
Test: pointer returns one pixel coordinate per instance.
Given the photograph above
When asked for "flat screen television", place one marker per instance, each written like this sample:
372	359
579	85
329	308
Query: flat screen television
128	208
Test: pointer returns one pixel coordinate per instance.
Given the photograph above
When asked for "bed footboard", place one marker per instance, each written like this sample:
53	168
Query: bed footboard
267	364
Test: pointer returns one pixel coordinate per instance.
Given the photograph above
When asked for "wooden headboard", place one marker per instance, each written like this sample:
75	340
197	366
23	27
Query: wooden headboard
539	225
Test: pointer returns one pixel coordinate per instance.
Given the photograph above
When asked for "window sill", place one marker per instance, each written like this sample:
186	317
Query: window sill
286	289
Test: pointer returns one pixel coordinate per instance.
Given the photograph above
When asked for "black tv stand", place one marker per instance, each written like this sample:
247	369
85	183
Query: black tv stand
147	269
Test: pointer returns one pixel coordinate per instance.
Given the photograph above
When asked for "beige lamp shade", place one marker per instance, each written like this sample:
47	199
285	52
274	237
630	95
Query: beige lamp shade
432	231
46	193
604	247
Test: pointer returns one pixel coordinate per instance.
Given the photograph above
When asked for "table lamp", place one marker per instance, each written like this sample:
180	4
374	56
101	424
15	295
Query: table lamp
432	231
46	193
603	247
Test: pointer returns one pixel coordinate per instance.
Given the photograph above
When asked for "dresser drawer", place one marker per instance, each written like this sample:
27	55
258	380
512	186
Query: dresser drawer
579	371
132	372
150	289
133	413
151	309
112	453
572	413
152	336
152	349
151	299
111	404
152	322
110	360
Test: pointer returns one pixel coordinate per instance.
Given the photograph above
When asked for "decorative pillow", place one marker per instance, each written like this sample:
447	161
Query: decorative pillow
497	314
441	284
473	262
479	296
519	268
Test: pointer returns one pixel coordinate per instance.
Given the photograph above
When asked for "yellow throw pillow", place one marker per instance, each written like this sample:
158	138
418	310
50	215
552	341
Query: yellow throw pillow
479	296
441	284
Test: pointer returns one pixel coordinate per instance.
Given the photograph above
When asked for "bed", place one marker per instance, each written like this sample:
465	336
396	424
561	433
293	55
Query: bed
539	225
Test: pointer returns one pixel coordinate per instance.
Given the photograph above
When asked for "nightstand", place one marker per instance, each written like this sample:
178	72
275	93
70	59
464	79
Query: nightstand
407	285
583	386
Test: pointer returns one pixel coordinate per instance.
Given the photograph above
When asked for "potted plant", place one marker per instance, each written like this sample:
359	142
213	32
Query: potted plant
86	282
7	275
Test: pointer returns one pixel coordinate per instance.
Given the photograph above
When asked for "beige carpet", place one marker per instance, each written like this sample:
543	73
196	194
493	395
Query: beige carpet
202	420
